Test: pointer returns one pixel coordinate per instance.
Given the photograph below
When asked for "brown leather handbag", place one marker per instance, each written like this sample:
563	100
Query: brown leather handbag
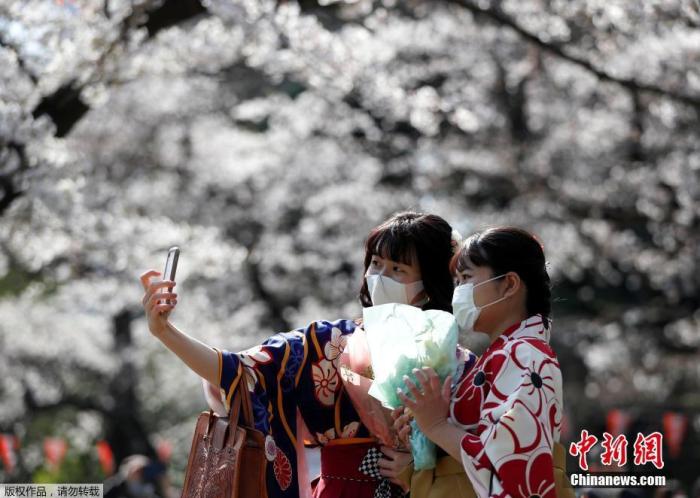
227	458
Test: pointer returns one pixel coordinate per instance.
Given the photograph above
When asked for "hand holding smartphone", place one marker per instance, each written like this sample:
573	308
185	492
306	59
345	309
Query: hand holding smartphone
171	267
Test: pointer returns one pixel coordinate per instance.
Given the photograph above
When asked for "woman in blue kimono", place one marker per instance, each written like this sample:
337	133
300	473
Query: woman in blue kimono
294	376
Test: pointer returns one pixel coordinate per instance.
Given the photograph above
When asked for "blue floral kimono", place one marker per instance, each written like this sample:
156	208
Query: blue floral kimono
290	371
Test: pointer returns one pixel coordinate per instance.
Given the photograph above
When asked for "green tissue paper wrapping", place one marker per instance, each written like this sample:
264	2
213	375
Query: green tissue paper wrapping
403	337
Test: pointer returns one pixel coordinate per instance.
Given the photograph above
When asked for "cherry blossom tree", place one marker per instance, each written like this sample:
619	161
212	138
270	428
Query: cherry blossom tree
266	138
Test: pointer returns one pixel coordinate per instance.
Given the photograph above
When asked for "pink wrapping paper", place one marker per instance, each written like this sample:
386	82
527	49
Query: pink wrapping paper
355	365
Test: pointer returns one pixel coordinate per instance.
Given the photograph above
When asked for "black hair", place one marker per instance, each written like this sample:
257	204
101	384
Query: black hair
511	249
409	236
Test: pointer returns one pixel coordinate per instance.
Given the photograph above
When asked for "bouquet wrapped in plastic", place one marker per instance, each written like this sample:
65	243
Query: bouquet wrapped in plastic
357	377
401	338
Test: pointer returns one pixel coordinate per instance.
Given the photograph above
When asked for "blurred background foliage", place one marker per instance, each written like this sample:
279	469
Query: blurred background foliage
266	138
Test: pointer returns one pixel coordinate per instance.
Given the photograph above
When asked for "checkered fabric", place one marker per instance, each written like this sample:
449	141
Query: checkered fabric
383	490
369	466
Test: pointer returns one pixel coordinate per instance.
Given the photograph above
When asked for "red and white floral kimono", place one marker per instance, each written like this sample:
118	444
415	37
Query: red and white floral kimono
510	403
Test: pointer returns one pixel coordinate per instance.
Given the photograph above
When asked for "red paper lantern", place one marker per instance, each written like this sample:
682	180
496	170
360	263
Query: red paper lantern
105	456
8	446
55	450
617	422
675	426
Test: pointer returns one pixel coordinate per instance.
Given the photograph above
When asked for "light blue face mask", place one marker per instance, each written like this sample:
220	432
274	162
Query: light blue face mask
464	308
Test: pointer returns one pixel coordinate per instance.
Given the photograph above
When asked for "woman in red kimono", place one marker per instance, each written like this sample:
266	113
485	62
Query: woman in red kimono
294	376
503	416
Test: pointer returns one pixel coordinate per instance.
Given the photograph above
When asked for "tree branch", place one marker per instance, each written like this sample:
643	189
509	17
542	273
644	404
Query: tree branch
20	62
65	106
66	401
274	306
171	13
8	181
498	16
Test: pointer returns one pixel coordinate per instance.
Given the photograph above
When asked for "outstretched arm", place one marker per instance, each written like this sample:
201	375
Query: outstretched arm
202	359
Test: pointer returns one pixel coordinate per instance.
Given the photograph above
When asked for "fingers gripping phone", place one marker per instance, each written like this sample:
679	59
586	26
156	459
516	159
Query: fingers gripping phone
171	267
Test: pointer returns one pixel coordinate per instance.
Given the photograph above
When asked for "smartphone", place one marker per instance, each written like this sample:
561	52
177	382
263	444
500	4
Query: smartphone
171	267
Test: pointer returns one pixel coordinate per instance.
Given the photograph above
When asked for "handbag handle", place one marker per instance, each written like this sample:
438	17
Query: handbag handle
235	412
241	399
247	404
210	421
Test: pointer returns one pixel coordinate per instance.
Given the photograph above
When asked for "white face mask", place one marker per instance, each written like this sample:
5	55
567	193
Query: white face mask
464	308
384	290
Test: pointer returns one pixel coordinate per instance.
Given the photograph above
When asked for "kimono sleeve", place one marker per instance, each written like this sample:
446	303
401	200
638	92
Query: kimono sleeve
511	451
262	364
275	365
